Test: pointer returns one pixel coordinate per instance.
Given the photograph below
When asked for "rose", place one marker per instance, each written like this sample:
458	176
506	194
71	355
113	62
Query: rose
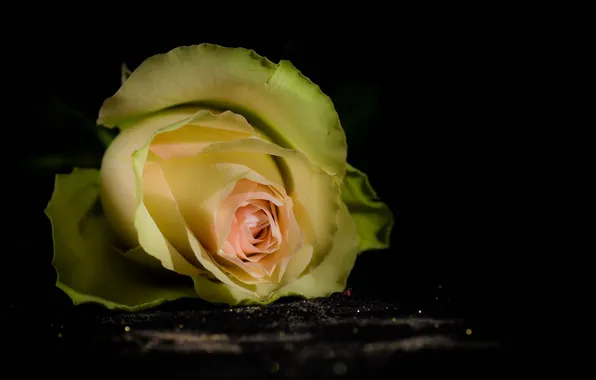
228	181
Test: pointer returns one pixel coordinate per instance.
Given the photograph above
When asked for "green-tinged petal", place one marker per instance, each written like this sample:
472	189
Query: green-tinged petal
332	273
216	292
277	98
89	267
372	217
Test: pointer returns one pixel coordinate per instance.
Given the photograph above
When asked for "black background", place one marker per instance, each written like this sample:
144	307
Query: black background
423	107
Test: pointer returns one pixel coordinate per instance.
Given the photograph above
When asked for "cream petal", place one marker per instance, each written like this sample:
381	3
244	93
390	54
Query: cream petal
253	217
273	225
254	270
246	190
297	264
118	183
256	257
207	126
246	244
186	141
246	272
163	209
255	234
291	240
228	249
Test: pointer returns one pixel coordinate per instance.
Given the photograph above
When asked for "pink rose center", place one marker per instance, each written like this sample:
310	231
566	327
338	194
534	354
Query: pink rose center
255	229
262	232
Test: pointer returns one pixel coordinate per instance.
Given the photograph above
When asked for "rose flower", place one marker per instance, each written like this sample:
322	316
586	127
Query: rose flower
228	181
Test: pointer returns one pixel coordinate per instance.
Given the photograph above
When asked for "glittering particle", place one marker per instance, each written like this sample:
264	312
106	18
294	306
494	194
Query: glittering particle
393	319
468	331
282	333
357	311
181	326
60	335
340	368
419	311
127	328
275	367
184	342
355	331
409	344
440	286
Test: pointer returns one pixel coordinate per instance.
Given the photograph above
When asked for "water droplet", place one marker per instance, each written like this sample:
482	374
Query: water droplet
181	326
355	331
393	319
127	328
419	311
275	367
60	335
282	333
340	368
468	331
357	311
440	286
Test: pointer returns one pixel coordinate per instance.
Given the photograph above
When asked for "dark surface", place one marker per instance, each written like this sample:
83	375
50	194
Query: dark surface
340	336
